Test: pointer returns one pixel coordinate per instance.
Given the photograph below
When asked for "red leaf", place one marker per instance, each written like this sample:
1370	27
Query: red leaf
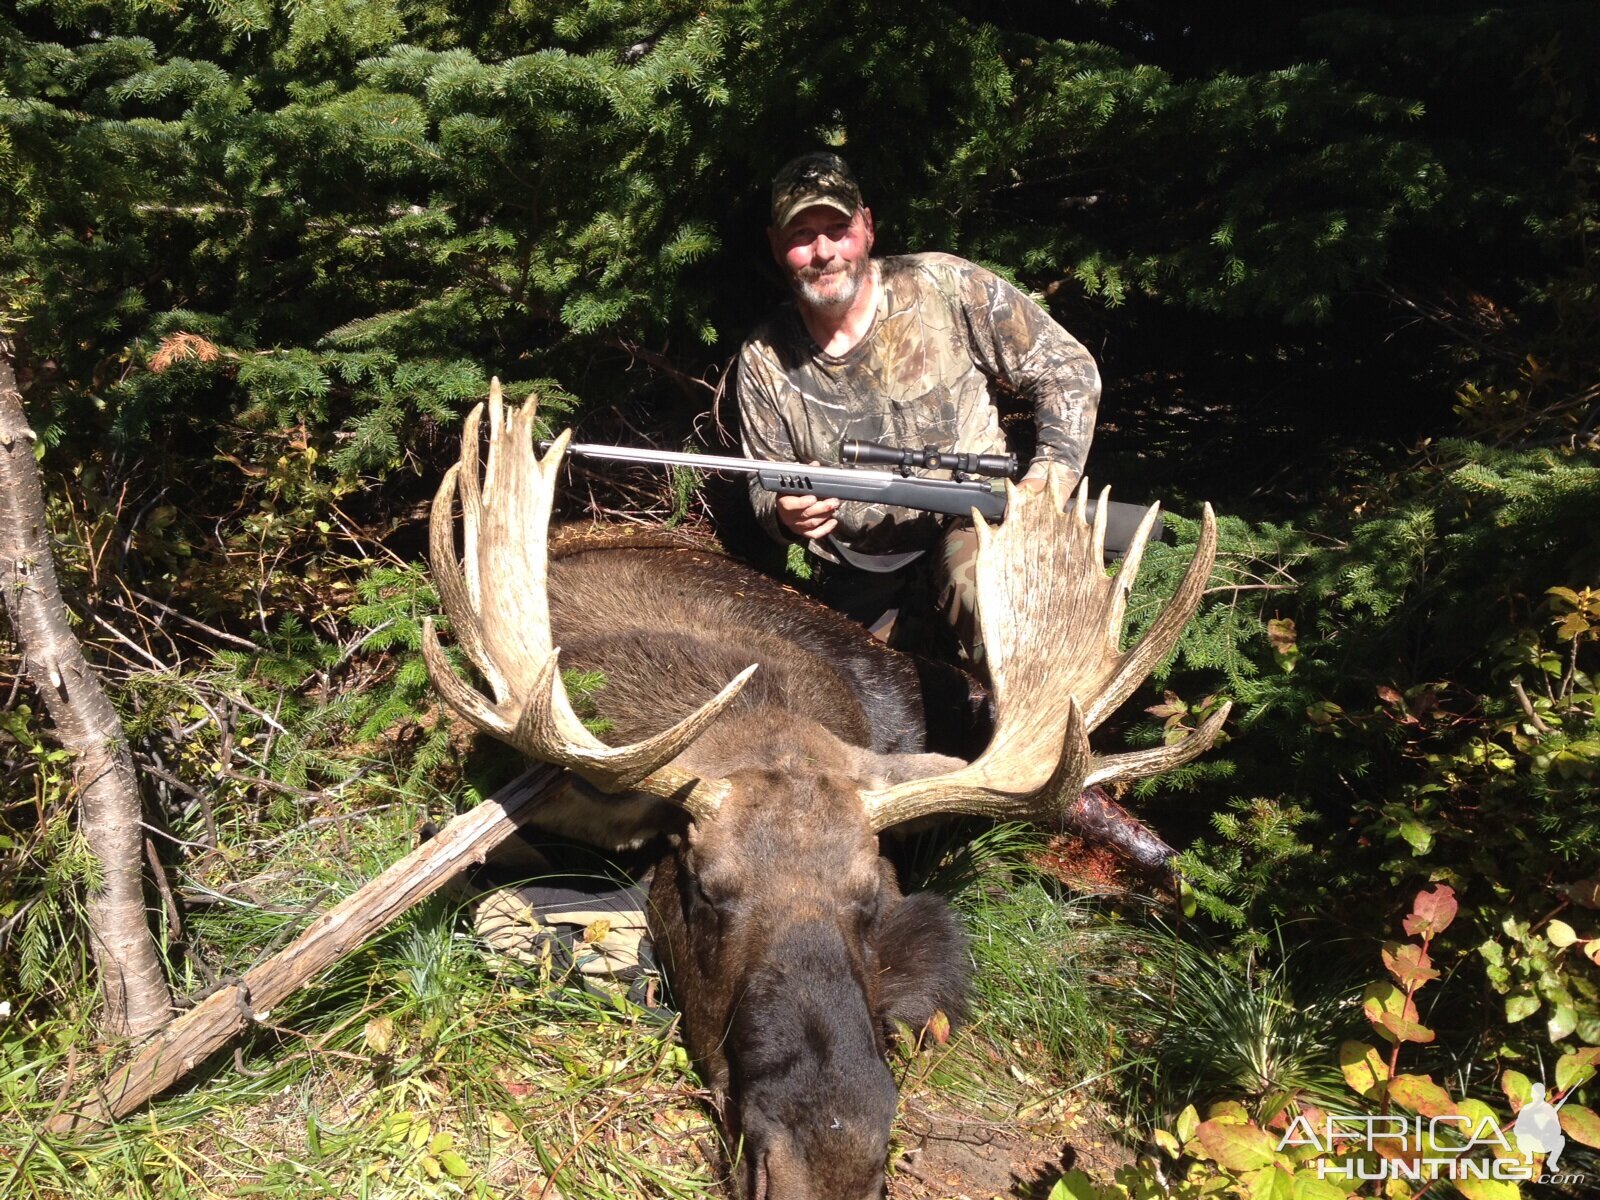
1422	1095
1432	912
1409	964
1581	1124
1171	706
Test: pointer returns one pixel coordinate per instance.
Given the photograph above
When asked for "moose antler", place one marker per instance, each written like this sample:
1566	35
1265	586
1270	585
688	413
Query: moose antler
1052	622
499	611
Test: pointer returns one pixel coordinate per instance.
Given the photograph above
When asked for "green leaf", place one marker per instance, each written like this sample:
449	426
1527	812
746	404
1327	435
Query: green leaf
1478	1112
1521	1007
1488	1189
1188	902
1237	1147
1074	1185
1167	1142
454	1164
1188	1121
1363	1069
1270	1183
1562	1021
1281	636
1561	934
1576	1069
1393	1014
1308	1187
1417	835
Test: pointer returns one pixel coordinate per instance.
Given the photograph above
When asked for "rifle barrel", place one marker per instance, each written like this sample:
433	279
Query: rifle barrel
660	458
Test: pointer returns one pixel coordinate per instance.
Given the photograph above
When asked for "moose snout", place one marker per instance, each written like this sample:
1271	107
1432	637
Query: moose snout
799	1164
814	1098
818	1128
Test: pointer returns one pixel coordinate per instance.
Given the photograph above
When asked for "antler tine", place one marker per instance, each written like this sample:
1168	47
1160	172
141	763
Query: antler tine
1168	625
1101	512
1141	764
456	592
1052	624
469	485
499	608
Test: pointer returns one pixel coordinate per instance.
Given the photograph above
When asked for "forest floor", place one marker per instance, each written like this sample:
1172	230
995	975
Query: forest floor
415	1068
960	1155
946	1147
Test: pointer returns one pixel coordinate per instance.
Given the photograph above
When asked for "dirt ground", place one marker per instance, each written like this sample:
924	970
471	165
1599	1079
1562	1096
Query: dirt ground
957	1156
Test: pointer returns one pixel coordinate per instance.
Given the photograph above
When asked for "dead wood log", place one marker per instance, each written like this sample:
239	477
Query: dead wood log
194	1036
133	984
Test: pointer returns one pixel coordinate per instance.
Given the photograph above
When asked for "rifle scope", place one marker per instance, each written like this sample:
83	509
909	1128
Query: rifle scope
929	458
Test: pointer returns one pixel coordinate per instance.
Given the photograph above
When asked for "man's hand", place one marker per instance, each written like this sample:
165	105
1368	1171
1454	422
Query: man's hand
808	517
1036	477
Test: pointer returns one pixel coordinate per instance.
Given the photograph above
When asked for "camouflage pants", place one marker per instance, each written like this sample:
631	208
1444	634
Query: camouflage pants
929	606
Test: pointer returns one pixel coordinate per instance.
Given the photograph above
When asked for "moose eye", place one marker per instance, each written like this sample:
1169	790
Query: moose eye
708	892
866	906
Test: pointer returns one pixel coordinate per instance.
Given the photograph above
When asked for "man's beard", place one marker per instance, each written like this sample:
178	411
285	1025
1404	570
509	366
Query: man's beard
843	287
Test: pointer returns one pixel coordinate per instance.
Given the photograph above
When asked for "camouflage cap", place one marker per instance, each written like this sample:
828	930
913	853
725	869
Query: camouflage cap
815	178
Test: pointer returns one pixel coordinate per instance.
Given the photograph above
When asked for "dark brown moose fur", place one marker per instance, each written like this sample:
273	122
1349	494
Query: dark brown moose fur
788	944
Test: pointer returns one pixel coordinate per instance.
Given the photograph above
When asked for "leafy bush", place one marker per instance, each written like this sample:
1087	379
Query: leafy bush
1271	1123
1419	703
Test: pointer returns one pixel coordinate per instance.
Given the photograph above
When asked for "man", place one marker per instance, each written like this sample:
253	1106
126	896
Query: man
905	350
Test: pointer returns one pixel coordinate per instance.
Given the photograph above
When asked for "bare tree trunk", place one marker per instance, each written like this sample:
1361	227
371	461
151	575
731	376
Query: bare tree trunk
132	982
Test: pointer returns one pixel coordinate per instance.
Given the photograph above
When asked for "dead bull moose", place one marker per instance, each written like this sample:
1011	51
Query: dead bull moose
775	741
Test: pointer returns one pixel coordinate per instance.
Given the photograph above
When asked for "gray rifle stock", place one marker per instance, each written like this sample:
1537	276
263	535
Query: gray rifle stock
949	496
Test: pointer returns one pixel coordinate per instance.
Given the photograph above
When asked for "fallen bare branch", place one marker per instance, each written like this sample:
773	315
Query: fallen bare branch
209	1026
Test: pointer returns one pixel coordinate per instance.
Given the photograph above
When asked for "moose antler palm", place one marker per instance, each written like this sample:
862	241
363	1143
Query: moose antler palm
499	610
1050	615
1052	622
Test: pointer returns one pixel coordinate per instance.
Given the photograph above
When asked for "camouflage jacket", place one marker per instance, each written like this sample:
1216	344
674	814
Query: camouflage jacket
945	332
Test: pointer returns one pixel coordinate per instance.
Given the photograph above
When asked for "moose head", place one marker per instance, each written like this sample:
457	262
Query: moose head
774	731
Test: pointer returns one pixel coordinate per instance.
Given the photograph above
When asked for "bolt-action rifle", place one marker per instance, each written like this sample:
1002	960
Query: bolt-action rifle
957	496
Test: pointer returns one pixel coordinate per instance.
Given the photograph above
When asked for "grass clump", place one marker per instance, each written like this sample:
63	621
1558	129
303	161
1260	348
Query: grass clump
1201	1025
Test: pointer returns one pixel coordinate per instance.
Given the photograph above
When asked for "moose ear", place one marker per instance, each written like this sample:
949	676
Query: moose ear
874	771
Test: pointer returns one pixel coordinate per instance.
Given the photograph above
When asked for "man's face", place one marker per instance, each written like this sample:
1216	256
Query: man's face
826	255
